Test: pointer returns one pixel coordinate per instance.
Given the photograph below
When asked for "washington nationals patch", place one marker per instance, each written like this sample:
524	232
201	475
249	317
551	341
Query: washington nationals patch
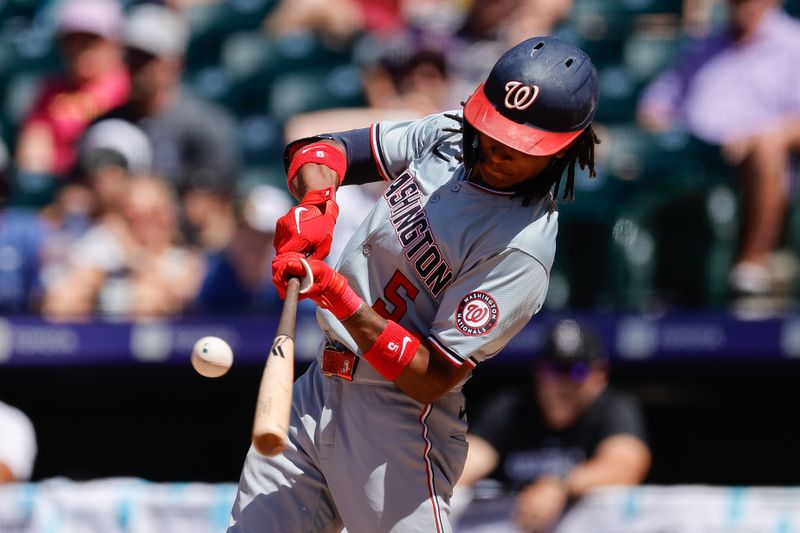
477	314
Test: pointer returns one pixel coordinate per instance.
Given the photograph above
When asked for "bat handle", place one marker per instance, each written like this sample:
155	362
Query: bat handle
288	317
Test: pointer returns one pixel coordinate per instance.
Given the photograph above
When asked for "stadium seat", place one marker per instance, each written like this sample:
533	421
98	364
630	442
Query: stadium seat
311	91
26	48
646	54
210	24
674	238
584	238
618	94
261	139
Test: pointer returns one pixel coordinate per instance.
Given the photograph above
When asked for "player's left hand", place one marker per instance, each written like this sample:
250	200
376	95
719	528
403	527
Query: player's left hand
540	504
308	227
328	286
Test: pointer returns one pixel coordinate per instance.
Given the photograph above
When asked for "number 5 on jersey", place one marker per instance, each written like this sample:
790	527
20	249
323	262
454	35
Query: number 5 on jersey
396	302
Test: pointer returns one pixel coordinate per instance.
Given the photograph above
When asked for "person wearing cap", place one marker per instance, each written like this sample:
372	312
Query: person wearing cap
94	81
549	446
192	140
451	262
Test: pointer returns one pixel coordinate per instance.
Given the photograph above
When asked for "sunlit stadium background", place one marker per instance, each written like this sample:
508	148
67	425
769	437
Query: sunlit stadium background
130	438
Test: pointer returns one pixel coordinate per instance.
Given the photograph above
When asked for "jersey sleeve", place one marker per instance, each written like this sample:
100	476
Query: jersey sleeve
396	144
486	306
382	151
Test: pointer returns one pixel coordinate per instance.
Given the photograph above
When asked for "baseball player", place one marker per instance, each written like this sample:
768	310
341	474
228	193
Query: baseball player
451	262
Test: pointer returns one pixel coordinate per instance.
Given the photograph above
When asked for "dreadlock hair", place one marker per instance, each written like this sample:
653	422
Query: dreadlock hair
581	152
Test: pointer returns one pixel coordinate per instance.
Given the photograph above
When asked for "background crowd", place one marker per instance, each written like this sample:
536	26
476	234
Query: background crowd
141	175
138	139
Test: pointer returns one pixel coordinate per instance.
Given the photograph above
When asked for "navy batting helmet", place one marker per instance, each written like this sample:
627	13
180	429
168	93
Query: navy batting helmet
538	98
567	342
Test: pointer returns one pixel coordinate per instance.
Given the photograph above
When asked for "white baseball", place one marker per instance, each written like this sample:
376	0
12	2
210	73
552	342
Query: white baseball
212	357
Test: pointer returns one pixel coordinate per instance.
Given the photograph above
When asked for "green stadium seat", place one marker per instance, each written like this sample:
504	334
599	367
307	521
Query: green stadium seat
25	9
20	92
211	24
27	49
651	6
300	92
673	246
584	238
261	139
211	82
618	94
645	55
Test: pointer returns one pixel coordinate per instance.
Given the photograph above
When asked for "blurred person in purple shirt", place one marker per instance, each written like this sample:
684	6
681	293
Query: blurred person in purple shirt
740	88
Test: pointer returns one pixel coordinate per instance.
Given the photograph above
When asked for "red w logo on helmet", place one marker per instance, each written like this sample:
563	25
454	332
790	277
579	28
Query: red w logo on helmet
520	96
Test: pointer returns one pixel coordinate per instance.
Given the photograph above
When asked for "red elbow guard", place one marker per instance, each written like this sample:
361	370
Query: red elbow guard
320	154
393	350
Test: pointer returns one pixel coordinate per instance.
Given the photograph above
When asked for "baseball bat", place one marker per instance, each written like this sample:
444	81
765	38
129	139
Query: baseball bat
274	403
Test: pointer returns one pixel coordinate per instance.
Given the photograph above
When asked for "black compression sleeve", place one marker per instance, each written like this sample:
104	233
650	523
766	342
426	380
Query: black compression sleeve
361	166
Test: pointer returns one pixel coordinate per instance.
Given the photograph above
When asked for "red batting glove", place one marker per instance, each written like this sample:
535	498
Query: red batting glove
329	290
308	227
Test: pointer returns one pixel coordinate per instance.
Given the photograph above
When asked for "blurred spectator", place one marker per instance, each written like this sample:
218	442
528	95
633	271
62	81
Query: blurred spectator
407	75
191	139
109	153
572	435
130	264
17	445
94	80
239	278
208	218
21	238
490	28
738	89
403	79
335	21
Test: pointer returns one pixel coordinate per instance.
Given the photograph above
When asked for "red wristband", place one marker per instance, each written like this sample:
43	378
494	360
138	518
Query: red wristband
320	154
393	350
346	304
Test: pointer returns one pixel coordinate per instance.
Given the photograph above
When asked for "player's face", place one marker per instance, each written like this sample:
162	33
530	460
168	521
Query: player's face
501	166
563	395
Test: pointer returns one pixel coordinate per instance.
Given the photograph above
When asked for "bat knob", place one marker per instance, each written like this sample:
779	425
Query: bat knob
308	280
269	444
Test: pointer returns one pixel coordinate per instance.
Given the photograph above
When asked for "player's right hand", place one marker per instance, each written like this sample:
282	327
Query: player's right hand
329	289
308	227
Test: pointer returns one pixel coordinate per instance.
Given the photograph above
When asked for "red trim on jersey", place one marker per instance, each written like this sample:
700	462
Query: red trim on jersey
376	155
444	352
437	512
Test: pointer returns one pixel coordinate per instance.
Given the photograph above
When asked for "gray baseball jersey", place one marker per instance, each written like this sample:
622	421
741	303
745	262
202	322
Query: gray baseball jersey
464	267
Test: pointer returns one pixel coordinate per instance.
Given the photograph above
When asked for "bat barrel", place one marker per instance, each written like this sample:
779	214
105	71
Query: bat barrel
273	408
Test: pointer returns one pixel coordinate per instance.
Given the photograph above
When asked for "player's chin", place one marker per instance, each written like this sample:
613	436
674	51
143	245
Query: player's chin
495	178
